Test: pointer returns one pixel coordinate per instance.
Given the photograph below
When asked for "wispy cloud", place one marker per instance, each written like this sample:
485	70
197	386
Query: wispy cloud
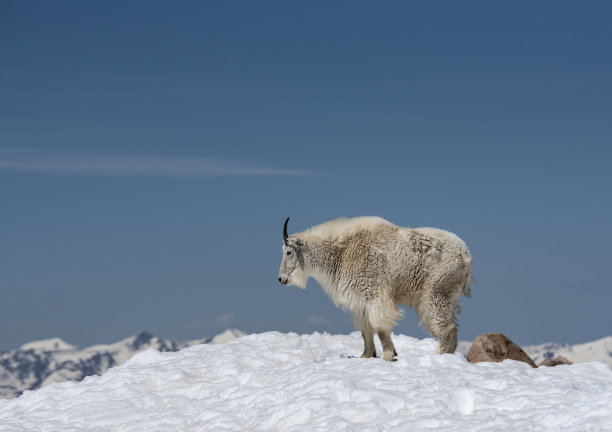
225	320
45	162
196	324
317	320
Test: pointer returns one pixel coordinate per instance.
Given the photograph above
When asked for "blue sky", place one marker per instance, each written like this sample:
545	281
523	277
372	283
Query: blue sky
150	152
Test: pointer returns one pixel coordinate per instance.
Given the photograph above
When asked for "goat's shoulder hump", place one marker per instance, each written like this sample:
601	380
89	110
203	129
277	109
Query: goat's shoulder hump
344	227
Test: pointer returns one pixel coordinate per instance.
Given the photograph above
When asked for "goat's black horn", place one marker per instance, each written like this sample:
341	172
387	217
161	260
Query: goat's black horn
285	231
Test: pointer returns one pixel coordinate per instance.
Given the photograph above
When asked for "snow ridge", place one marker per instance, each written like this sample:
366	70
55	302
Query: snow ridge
288	382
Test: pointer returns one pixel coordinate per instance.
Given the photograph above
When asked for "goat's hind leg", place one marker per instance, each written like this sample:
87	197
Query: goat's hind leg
437	315
447	341
443	323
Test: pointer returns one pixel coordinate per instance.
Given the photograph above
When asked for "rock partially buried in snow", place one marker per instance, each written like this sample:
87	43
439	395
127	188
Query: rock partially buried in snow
557	361
496	347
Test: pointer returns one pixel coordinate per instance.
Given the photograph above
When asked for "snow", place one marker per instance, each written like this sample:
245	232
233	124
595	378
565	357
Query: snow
53	344
277	381
599	350
227	336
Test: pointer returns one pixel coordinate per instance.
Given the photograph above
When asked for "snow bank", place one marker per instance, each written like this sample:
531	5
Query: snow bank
276	381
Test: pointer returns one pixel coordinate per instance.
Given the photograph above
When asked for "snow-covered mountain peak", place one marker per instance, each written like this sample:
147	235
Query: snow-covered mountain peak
599	350
142	339
52	344
226	336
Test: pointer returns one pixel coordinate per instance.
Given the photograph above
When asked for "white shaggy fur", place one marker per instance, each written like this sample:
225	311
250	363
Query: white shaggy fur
367	265
342	227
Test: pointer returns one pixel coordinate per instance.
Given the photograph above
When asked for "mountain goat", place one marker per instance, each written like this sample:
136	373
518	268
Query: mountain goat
367	265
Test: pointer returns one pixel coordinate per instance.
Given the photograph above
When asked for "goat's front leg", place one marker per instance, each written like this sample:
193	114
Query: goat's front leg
388	349
368	344
367	332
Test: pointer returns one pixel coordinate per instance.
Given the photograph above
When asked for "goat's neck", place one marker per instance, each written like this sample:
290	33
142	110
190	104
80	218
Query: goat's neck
321	260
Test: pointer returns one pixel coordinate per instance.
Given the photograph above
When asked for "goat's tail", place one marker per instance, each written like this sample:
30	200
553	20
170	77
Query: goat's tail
468	279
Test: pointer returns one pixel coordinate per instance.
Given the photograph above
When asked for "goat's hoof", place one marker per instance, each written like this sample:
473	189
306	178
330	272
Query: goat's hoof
388	355
368	355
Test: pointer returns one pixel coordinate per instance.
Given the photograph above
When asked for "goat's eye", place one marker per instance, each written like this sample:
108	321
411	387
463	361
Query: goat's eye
288	253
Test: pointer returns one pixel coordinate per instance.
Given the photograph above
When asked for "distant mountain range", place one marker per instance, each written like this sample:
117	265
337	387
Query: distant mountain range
599	350
39	363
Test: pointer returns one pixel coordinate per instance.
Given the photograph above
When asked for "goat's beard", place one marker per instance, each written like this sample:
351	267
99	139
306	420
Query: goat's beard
299	278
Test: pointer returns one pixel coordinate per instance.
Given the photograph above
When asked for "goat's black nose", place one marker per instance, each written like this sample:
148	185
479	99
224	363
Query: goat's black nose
280	280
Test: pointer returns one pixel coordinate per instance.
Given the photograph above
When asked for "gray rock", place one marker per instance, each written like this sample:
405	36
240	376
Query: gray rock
559	360
496	347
